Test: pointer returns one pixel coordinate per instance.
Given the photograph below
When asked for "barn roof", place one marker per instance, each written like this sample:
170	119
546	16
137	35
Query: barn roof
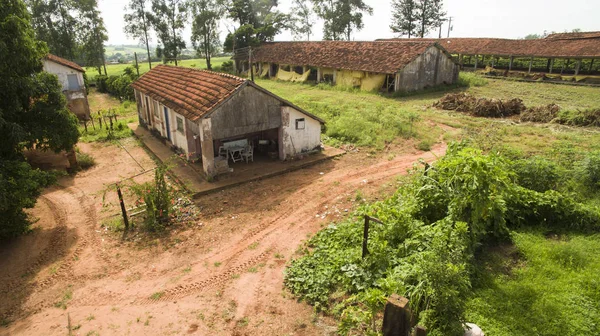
64	62
374	56
553	47
195	93
574	36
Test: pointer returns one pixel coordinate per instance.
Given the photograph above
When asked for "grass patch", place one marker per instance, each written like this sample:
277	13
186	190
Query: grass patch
556	292
66	297
114	224
157	295
85	160
117	69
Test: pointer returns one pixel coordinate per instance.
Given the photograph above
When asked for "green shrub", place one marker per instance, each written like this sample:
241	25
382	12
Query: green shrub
471	79
589	117
536	173
156	196
589	171
85	160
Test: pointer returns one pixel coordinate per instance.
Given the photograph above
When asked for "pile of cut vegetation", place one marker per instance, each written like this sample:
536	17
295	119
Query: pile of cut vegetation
543	114
480	107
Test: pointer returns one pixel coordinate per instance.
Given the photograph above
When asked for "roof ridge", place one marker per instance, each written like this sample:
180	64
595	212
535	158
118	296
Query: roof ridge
222	74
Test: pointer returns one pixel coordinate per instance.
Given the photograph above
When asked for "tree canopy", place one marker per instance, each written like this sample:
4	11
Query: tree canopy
205	28
32	112
258	22
302	18
341	17
168	18
137	24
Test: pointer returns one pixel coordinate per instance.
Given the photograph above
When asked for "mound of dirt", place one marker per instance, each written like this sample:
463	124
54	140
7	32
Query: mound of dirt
542	114
481	107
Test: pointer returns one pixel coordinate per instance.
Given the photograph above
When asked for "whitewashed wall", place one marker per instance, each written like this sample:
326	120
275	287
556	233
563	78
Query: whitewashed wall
297	141
62	71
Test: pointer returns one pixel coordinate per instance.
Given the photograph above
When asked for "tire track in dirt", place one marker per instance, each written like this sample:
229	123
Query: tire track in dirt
270	228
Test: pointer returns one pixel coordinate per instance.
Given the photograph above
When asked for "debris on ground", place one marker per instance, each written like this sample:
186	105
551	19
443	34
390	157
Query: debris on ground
184	211
543	114
480	107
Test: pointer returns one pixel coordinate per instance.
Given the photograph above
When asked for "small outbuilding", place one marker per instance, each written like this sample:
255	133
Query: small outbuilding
368	65
70	76
208	116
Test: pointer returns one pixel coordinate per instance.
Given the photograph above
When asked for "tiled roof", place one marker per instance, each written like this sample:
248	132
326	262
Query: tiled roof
571	48
64	62
189	92
574	36
380	57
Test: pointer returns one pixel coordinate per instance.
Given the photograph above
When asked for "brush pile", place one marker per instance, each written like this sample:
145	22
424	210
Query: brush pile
541	114
481	107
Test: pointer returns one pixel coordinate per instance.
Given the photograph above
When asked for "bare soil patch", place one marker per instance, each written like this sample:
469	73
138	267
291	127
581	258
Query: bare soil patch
221	275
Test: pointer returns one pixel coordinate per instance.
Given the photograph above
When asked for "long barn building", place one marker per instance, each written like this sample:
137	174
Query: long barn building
574	53
382	66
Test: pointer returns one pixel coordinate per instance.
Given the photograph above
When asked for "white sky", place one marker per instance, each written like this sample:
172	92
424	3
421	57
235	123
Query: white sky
471	18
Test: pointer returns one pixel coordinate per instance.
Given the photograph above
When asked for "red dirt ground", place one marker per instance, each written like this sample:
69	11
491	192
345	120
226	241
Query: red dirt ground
222	275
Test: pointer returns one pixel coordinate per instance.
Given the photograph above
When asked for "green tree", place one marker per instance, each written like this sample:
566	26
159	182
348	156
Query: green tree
168	19
302	18
258	22
404	17
32	112
54	22
341	17
137	24
205	28
93	35
430	15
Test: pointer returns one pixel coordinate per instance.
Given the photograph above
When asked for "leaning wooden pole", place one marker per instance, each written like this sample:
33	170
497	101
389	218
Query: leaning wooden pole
123	209
137	67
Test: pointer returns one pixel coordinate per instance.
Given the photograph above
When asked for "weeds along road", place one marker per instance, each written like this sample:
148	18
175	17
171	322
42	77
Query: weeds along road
222	275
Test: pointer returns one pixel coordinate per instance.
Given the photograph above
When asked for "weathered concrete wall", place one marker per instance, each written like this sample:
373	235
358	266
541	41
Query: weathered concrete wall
178	137
208	152
248	111
192	134
297	141
61	72
432	68
76	99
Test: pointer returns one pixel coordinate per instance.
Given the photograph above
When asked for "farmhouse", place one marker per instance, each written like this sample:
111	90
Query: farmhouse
217	117
572	53
70	76
384	66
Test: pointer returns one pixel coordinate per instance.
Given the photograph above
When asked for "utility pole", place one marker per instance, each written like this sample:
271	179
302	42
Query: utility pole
449	25
137	67
440	36
250	64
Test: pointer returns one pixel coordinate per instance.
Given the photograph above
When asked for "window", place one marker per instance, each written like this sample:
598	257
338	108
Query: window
179	124
156	110
73	82
300	124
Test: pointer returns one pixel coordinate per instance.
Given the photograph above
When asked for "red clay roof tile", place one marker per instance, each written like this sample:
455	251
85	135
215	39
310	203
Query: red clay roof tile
189	92
568	48
64	62
377	56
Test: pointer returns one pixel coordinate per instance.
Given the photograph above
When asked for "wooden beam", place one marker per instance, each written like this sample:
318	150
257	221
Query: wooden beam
530	64
476	61
592	65
551	64
396	317
577	67
510	63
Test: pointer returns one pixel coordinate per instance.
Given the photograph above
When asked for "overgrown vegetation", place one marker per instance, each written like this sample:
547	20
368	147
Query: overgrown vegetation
435	226
100	129
157	198
118	85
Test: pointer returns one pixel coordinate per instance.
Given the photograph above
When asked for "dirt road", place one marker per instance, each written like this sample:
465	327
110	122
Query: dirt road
220	276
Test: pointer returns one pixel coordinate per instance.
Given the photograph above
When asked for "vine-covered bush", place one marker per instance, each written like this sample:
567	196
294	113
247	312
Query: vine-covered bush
118	86
433	226
157	196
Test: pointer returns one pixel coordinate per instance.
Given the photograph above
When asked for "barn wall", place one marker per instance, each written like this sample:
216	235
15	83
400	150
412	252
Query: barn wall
248	111
77	100
431	68
297	141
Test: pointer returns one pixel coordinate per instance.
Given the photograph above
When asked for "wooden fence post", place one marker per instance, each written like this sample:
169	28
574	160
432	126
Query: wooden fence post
396	317
123	210
365	250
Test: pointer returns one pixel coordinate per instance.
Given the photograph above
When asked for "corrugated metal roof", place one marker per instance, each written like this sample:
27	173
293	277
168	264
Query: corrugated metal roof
373	56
